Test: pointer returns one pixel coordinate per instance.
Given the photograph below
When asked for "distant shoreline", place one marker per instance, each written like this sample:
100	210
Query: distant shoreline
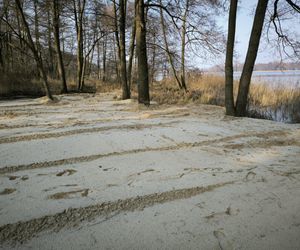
262	71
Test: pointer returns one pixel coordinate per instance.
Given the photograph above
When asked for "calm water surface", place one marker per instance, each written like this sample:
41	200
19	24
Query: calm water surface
288	79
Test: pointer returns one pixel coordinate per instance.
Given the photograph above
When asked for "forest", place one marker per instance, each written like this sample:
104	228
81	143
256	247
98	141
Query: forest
115	134
61	43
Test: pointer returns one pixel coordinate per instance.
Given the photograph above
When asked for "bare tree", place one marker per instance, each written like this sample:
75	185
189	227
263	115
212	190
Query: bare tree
78	9
56	8
229	99
122	53
131	53
141	51
244	84
30	43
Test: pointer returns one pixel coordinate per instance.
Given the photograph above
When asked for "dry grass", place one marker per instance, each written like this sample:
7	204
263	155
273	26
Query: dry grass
276	103
264	96
207	89
104	87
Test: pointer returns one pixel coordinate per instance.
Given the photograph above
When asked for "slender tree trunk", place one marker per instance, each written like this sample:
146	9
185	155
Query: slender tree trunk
229	99
56	30
83	71
183	44
123	69
104	59
242	99
50	50
141	50
91	58
36	25
33	48
21	42
79	13
163	26
131	55
2	42
98	62
37	31
117	39
117	68
153	58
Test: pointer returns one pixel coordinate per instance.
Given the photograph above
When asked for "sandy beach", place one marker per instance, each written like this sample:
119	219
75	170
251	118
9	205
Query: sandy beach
92	172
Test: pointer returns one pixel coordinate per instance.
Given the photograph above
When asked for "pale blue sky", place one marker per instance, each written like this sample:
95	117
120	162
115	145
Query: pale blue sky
243	29
245	17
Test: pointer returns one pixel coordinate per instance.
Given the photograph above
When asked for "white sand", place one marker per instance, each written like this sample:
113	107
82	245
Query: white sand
114	150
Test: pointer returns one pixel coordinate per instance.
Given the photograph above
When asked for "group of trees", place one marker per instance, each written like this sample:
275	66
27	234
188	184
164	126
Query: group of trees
127	41
239	108
118	40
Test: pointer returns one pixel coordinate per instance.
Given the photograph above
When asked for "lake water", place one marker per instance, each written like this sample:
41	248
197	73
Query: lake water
287	79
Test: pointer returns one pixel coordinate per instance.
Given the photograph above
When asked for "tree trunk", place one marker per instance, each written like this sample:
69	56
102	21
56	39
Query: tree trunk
242	99
56	30
34	50
117	68
229	99
123	69
183	41
141	50
50	50
98	62
36	25
117	38
37	31
104	59
131	55
78	14
2	42
153	59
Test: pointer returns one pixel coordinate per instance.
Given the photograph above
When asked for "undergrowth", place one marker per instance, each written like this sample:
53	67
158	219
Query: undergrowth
265	102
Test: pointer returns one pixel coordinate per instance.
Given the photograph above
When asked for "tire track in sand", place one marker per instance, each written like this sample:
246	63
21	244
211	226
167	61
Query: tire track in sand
73	160
81	131
70	218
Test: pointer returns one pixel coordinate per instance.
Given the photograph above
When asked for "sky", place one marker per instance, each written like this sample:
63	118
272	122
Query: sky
243	29
245	17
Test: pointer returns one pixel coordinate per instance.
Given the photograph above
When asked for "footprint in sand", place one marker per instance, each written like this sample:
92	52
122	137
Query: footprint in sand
250	176
222	241
133	177
66	172
70	194
23	178
7	191
12	178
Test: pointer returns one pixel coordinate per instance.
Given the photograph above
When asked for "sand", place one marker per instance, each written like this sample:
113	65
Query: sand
91	172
